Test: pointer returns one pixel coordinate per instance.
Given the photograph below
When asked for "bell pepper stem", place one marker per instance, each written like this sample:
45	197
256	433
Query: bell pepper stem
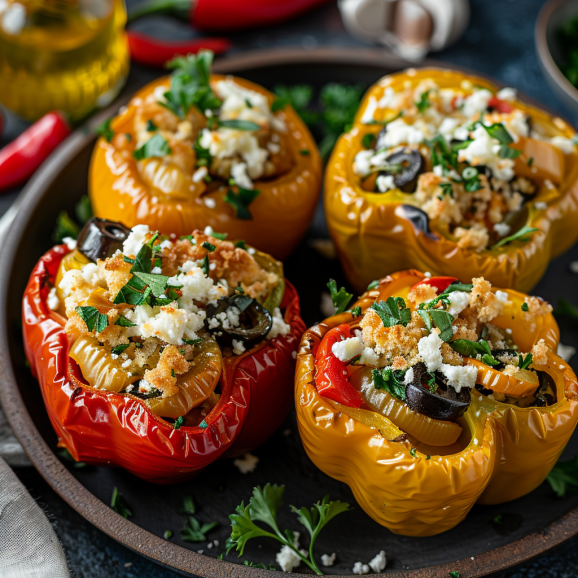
179	8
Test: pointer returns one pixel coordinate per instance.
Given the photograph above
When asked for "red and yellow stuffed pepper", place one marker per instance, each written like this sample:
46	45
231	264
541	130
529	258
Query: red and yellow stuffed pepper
461	178
198	149
430	395
160	354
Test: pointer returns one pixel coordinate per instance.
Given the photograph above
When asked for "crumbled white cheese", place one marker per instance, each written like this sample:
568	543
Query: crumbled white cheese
200	174
247	463
135	241
327	560
508	94
238	347
385	183
279	326
14	19
348	348
369	112
502	229
144	386
70	243
362	162
566	352
53	302
168	323
240	176
388	98
156	271
476	102
483	150
369	357
460	375
399	132
288	558
378	563
459	300
502	296
430	352
541	206
359	568
408	377
196	286
210	203
566	145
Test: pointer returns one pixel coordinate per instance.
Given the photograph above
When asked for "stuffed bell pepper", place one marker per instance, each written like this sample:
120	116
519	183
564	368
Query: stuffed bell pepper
430	395
197	149
159	354
460	178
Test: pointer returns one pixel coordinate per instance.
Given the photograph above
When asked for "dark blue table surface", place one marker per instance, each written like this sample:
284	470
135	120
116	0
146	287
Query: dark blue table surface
498	42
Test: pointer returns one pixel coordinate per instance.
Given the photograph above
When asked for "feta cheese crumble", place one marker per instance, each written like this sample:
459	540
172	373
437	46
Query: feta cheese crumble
377	564
359	569
247	463
52	300
328	560
287	558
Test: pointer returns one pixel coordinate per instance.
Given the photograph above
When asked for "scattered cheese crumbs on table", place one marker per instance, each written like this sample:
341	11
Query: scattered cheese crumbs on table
328	560
574	266
247	463
288	558
359	568
378	563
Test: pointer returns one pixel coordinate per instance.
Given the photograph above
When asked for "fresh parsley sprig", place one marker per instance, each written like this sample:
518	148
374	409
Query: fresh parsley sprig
521	235
474	348
92	317
263	507
392	312
390	380
564	477
524	362
340	298
240	202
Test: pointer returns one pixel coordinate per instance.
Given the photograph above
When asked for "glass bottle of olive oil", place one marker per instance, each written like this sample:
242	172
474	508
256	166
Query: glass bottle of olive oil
68	55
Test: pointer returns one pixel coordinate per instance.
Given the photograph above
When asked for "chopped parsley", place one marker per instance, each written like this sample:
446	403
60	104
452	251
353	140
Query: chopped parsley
220	236
204	158
240	202
304	152
368	141
124	322
497	519
238	124
156	146
179	421
520	235
92	318
474	348
241	245
564	477
191	341
530	161
392	312
208	246
118	504
524	363
120	348
168	534
413	453
205	267
105	130
525	307
454	574
373	284
390	380
423	103
356	311
151	126
340	298
194	531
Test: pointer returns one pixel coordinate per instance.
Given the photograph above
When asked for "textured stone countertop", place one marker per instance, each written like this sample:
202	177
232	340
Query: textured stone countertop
498	42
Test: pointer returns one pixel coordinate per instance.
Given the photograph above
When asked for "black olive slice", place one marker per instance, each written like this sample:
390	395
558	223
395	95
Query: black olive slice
418	218
546	393
100	239
444	403
254	320
409	165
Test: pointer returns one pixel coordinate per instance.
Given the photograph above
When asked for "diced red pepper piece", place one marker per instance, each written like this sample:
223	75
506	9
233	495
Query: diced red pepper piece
500	105
440	283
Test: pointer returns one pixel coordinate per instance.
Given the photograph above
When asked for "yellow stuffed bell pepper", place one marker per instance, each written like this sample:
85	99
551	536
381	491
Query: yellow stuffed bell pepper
198	149
430	395
458	177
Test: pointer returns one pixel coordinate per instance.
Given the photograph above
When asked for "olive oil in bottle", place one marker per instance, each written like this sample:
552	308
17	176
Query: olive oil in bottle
68	55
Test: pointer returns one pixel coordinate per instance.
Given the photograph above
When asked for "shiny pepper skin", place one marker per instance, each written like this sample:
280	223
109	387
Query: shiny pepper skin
506	452
377	234
106	428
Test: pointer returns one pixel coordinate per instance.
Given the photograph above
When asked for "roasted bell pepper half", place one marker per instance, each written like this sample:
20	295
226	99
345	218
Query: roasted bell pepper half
419	483
101	425
440	173
233	158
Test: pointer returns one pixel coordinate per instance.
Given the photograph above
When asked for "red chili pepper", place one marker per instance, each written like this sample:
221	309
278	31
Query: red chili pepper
20	158
500	105
332	380
153	52
227	14
440	283
103	427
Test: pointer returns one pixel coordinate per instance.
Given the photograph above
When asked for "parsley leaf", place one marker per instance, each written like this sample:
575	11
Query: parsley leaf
120	348
474	348
564	477
92	318
368	141
190	84
443	321
194	531
118	504
423	103
356	311
524	307
341	298
392	312
105	130
157	283
524	363
205	265
241	245
240	202
517	236
263	507
507	152
499	132
151	126
124	322
132	293
156	146
208	246
189	506
238	124
373	285
65	227
389	380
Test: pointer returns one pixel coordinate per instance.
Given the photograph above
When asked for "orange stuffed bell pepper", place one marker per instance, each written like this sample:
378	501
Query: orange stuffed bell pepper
160	355
197	149
429	395
460	178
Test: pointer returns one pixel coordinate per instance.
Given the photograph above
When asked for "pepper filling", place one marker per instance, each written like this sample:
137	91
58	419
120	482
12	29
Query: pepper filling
153	317
418	363
472	160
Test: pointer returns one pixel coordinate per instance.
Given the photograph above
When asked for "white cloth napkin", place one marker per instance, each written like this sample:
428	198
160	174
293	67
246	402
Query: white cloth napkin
29	547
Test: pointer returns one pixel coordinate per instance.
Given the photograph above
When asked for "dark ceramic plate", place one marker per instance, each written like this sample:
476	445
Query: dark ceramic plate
476	547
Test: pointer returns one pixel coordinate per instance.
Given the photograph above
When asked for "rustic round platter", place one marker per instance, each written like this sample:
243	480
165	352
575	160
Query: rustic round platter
476	547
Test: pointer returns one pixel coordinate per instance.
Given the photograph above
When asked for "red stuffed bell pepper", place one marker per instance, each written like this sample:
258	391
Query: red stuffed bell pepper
160	355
